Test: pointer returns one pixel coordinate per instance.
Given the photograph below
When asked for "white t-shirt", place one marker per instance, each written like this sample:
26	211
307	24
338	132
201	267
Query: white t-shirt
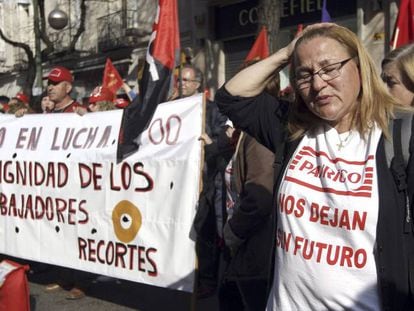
327	219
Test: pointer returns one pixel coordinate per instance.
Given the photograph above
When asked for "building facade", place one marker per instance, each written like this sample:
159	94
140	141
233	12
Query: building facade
215	35
234	24
115	29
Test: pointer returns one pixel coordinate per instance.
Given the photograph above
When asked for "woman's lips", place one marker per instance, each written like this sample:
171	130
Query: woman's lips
323	100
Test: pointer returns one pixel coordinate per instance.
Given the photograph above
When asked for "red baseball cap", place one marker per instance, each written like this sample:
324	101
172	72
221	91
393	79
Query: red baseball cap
59	74
121	103
22	97
101	94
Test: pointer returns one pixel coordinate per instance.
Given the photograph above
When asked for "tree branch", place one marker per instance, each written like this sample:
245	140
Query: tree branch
81	28
31	70
21	45
43	33
269	15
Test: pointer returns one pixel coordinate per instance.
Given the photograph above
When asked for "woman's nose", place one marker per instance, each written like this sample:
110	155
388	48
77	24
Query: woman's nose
317	82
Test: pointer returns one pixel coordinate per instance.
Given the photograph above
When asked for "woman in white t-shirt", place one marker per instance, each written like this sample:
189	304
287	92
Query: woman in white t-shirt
343	229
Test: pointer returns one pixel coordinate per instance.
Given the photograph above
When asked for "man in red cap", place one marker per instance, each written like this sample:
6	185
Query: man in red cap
19	105
59	86
23	98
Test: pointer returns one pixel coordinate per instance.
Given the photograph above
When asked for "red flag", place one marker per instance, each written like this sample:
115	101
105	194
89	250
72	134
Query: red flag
299	30
404	26
111	78
165	38
157	79
260	48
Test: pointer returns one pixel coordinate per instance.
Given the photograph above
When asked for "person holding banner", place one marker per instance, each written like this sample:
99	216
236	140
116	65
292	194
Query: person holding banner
191	80
211	215
19	105
343	229
208	220
101	99
189	84
398	74
59	86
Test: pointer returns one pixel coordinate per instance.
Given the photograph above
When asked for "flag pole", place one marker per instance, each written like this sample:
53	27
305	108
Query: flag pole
180	77
193	300
397	32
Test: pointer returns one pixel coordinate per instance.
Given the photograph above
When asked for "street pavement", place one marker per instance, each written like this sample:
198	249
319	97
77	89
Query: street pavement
108	294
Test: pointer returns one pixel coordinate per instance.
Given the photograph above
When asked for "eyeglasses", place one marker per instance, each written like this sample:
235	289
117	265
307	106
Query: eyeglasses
326	73
189	80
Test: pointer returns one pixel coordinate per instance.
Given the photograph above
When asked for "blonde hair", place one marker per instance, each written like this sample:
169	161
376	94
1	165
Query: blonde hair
375	103
105	105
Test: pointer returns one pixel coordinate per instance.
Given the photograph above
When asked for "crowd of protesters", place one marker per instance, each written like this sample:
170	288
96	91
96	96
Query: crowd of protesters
57	97
252	208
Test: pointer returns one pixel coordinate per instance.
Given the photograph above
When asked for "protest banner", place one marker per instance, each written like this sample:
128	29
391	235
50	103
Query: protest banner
64	199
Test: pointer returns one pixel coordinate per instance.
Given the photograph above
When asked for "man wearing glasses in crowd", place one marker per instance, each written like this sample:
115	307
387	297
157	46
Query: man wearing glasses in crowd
191	81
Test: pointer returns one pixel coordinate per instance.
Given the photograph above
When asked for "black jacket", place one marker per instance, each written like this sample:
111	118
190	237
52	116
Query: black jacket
217	156
252	220
264	118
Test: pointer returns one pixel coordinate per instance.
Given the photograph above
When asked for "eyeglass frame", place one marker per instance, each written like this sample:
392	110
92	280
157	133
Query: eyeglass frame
320	72
189	80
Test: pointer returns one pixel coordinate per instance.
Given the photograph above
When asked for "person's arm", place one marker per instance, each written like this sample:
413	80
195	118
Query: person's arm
252	80
218	148
130	92
250	109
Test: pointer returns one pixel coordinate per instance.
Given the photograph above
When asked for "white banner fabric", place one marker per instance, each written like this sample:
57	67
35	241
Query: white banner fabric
65	201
